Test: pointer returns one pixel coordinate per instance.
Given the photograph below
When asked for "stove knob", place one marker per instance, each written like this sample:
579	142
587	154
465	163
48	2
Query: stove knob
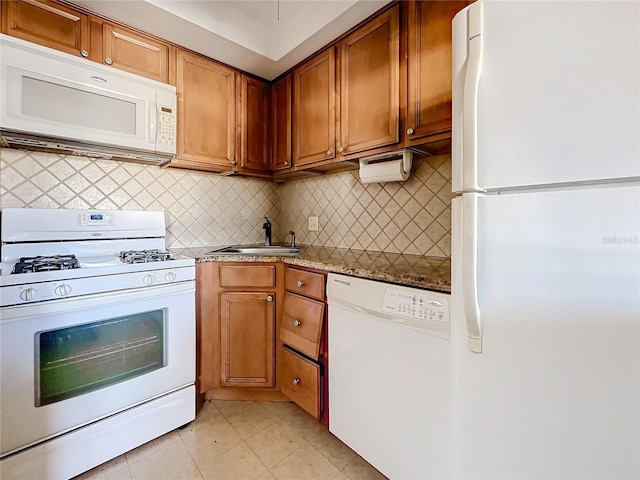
170	277
62	290
149	279
28	294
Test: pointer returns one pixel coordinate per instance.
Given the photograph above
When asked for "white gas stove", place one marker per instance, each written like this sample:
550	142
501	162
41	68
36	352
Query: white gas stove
97	338
51	254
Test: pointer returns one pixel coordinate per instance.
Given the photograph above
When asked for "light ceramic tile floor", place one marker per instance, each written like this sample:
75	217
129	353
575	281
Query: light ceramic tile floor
241	440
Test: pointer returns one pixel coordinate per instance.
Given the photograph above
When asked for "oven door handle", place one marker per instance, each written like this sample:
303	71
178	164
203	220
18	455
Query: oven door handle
95	301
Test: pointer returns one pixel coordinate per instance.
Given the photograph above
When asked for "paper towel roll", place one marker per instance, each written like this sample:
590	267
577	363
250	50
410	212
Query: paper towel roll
390	171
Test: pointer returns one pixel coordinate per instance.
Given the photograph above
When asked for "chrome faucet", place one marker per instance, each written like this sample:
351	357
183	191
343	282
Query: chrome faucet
293	238
267	232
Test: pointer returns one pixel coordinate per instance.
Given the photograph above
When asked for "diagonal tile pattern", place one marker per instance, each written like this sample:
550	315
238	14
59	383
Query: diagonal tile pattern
201	209
288	445
413	217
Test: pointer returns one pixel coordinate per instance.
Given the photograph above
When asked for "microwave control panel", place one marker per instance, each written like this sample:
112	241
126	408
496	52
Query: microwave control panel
166	125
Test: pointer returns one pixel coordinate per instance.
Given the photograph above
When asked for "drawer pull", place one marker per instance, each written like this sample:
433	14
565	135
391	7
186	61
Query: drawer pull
269	298
296	381
297	323
300	283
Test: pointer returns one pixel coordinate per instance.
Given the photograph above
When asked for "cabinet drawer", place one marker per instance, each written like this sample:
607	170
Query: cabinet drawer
258	276
308	284
302	324
301	381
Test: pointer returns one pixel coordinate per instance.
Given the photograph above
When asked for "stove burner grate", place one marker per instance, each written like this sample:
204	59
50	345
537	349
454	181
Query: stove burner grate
144	256
46	263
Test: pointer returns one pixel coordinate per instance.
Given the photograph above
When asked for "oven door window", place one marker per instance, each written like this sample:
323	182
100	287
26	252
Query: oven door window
75	360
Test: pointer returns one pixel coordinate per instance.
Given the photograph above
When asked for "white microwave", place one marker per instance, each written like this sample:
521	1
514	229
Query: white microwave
54	101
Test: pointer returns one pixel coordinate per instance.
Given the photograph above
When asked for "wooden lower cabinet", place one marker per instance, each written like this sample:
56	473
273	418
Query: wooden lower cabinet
241	309
303	368
247	323
238	309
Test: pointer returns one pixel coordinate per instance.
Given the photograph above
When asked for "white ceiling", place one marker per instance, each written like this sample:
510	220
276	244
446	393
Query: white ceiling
263	37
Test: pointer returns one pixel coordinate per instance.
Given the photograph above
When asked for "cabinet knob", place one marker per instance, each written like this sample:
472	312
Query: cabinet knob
297	323
300	283
296	381
108	61
269	298
409	131
84	53
234	162
286	164
341	149
329	152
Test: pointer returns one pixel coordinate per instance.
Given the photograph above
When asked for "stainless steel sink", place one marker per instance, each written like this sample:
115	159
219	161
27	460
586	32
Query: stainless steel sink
261	250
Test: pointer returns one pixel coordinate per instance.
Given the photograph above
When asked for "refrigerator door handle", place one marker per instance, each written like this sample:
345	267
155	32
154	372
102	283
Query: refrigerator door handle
470	271
470	100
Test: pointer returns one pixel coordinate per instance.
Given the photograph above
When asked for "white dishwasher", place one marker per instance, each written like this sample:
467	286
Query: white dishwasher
389	375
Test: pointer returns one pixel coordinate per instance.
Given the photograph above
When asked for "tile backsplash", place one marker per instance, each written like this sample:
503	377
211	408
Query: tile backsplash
412	217
201	209
204	209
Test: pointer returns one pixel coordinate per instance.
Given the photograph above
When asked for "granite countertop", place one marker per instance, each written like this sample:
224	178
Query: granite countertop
433	273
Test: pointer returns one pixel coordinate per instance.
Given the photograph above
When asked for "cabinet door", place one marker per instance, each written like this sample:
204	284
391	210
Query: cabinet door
206	326
206	113
314	93
47	23
281	124
253	106
247	324
135	53
429	78
369	85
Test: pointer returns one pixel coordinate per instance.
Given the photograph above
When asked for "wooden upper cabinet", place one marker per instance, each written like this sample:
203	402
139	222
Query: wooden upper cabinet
429	76
253	123
247	325
206	114
47	23
281	124
314	94
369	85
135	53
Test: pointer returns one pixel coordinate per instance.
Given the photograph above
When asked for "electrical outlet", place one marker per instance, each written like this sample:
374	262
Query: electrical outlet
313	224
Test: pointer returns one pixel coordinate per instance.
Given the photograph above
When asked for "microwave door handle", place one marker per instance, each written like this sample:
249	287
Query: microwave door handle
470	271
153	122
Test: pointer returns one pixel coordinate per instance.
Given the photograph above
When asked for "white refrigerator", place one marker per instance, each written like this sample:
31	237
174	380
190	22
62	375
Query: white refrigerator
546	240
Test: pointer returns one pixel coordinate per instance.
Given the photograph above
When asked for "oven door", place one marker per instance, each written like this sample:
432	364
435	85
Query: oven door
67	363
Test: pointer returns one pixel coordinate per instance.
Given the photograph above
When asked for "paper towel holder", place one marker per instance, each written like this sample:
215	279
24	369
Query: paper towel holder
407	158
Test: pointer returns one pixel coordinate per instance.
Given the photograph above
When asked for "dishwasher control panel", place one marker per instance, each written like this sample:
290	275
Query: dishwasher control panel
417	305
